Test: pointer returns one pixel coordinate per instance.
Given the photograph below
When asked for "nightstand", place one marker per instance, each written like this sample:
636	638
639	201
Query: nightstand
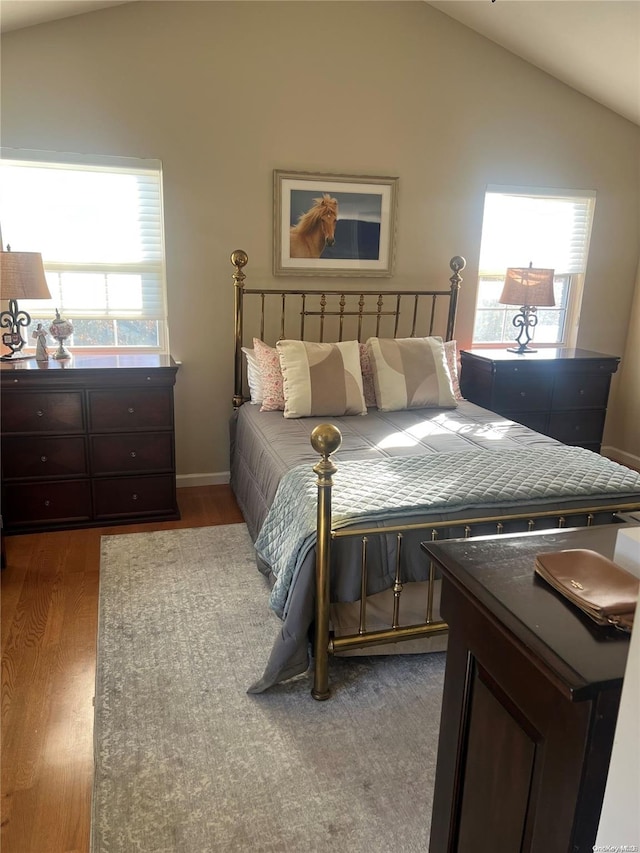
558	392
87	442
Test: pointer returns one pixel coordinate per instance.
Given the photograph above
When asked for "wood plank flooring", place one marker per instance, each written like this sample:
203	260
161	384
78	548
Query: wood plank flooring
48	633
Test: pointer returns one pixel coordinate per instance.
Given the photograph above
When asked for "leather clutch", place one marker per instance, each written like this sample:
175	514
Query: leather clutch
607	593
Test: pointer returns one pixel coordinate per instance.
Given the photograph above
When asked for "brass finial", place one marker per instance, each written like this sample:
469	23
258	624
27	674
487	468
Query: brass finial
457	263
239	258
326	439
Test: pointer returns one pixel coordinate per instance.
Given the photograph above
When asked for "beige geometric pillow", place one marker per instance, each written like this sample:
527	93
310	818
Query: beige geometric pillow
410	373
321	379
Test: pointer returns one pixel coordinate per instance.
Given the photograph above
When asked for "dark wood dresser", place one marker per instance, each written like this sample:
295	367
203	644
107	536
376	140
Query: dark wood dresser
531	696
559	392
87	441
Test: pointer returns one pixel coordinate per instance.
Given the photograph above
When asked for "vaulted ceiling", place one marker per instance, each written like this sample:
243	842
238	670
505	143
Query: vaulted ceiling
592	45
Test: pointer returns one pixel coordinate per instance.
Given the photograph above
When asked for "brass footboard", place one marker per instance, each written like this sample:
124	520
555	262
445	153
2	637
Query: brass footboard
326	440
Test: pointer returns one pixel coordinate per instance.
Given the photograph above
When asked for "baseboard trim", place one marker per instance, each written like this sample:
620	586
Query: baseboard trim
621	456
188	480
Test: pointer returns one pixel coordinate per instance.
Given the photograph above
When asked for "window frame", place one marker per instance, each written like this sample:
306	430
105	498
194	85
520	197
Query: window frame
145	169
574	279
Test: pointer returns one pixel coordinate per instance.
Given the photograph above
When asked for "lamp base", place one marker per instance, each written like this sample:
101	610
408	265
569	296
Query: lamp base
521	350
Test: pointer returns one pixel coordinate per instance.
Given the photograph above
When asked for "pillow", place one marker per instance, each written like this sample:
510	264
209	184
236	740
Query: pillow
451	352
271	376
410	373
367	376
321	379
254	377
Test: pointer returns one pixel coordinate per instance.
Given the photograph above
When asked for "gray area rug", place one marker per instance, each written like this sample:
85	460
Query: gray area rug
187	762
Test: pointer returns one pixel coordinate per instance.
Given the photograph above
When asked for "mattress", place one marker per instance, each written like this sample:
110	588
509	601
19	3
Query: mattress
272	456
264	445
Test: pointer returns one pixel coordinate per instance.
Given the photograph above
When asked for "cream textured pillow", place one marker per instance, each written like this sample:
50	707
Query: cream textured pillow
271	376
410	373
321	379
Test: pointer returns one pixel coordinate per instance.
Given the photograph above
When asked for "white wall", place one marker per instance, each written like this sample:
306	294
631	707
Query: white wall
620	817
623	422
225	92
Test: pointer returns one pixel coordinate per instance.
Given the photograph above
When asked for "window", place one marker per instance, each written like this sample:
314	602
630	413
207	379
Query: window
548	228
99	226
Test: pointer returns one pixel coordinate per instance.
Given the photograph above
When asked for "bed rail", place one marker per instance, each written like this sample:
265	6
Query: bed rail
326	440
355	313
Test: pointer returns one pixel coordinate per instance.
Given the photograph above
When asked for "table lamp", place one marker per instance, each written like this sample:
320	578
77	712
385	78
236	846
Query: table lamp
530	288
21	277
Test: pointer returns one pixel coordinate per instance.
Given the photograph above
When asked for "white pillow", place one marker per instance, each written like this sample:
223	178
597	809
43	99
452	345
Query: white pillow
410	373
254	376
323	380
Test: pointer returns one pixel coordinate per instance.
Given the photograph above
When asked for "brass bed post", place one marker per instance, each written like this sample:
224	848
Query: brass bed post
325	439
239	259
456	263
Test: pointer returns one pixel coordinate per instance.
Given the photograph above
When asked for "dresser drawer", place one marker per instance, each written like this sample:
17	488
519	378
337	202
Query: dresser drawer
133	496
44	456
518	394
130	409
577	427
131	452
582	391
66	501
50	411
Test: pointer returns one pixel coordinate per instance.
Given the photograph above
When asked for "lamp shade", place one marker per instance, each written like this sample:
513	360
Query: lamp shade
22	276
528	286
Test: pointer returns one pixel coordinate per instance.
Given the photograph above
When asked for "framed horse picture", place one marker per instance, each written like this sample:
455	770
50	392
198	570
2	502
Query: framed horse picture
333	225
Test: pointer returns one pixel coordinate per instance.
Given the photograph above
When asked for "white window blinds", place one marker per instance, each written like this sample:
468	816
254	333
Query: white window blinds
545	227
98	226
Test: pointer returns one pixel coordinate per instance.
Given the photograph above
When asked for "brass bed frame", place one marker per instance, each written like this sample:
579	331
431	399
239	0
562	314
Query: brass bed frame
342	306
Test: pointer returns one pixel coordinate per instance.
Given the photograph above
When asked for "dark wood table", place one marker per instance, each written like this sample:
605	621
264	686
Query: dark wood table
531	696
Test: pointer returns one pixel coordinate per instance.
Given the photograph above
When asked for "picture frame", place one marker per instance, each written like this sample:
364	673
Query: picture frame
333	225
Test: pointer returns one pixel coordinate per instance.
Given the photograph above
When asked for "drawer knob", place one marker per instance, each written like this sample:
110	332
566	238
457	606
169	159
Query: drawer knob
134	497
577	427
133	454
148	378
47	503
523	394
43	458
582	391
131	410
39	413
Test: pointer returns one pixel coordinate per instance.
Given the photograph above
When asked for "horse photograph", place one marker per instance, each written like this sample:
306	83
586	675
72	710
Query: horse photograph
333	224
315	229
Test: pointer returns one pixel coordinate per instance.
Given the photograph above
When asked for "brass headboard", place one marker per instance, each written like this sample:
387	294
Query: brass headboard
355	310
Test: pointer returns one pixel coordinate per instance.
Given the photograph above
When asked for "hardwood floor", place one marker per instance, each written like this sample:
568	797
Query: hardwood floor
48	630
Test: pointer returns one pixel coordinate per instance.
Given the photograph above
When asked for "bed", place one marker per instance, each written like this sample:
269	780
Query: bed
337	506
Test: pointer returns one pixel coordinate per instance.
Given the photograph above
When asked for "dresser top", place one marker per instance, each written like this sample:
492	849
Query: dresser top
546	354
93	362
498	571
